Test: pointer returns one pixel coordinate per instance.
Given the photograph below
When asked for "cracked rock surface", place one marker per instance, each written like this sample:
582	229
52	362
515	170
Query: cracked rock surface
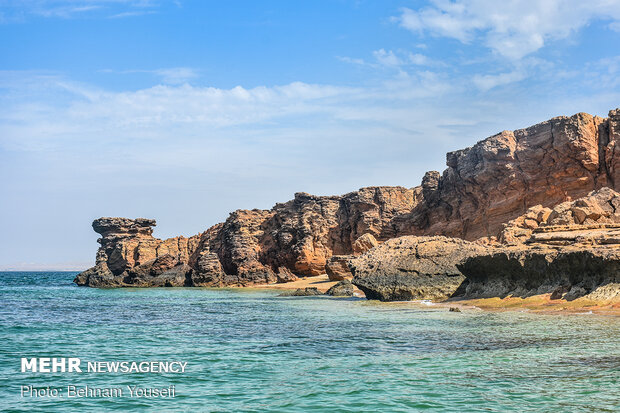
413	268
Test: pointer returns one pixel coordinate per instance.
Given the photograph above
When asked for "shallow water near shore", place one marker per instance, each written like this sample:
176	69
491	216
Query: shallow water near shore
249	350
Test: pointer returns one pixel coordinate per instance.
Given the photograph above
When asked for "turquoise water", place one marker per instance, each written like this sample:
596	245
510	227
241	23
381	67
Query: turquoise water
249	350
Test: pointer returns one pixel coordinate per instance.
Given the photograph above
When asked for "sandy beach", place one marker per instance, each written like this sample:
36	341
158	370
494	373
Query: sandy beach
538	303
321	282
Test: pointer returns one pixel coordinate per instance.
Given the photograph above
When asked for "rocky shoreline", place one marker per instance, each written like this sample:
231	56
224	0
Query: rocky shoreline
519	214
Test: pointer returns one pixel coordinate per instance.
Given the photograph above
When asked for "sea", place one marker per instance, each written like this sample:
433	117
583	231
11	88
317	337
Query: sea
248	350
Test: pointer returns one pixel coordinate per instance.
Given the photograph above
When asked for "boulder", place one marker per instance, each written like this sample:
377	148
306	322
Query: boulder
342	289
413	268
337	268
99	276
364	243
285	275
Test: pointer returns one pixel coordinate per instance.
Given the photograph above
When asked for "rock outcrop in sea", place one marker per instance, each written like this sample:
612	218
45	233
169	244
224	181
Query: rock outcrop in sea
484	187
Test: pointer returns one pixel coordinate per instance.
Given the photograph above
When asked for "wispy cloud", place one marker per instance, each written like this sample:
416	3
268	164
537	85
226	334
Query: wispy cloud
393	59
15	11
486	82
387	58
512	29
169	75
131	14
177	75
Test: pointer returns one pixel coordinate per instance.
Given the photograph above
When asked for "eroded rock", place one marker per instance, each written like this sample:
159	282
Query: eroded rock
342	289
302	292
567	272
364	243
499	179
337	268
410	268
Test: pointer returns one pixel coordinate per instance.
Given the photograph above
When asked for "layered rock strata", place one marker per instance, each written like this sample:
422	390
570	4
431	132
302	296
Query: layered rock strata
570	251
484	186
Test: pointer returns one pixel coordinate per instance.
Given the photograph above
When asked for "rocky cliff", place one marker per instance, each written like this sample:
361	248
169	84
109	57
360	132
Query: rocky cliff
250	247
570	251
484	186
502	176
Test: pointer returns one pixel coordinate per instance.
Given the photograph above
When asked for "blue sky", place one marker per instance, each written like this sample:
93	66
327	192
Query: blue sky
184	110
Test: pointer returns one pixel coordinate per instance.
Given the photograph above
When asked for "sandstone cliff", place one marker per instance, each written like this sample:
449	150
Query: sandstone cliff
502	176
485	186
570	251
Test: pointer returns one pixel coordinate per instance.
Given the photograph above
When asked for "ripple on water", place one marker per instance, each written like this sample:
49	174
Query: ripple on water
251	351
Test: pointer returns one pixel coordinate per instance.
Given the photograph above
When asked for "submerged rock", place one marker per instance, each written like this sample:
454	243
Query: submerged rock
411	268
301	292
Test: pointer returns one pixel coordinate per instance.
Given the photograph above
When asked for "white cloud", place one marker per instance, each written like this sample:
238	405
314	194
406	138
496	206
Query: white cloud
511	28
387	58
399	59
176	75
169	75
131	14
486	82
355	61
419	59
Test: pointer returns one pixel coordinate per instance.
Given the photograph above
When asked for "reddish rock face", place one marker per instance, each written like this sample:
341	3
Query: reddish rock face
337	268
502	176
364	243
485	186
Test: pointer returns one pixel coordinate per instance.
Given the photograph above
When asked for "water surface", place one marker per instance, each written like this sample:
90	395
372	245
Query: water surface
249	350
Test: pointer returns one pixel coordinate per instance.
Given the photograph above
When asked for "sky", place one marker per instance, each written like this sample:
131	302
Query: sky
186	110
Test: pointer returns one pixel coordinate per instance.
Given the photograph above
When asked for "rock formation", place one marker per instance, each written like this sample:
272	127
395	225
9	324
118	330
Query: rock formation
364	243
337	268
410	267
295	238
570	251
342	289
500	177
301	292
568	272
484	186
130	255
